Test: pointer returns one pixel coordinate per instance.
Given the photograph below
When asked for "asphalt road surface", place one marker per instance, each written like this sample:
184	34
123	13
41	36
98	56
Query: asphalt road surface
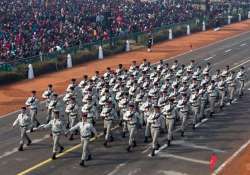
223	135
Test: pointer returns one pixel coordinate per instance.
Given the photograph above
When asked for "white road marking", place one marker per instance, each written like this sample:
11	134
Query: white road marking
243	44
240	64
191	145
204	162
202	121
229	50
209	58
164	172
14	150
117	168
231	158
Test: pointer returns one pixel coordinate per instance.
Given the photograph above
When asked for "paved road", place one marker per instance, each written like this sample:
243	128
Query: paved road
190	155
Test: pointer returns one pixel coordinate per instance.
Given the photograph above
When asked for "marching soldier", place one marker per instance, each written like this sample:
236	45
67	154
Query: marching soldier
131	116
222	88
155	128
213	94
123	108
86	131
170	114
47	94
231	82
147	112
203	99
58	128
72	85
108	114
184	110
24	121
32	103
194	101
73	111
53	105
241	78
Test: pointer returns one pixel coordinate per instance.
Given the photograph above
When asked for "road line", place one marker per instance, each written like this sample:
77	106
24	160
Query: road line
231	158
209	58
239	65
202	121
117	168
184	158
229	50
191	145
244	44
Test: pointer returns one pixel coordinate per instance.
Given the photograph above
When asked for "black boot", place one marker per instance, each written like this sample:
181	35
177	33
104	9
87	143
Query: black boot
182	133
168	143
193	127
105	143
71	137
129	149
123	134
134	143
82	163
61	149
104	131
153	153
29	142
111	138
89	157
53	156
146	139
158	146
20	148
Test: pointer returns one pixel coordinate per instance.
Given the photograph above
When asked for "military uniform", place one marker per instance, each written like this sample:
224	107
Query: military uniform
213	94
53	105
24	121
131	116
195	105
47	94
108	114
155	120
73	110
241	79
57	127
184	111
170	114
231	84
32	103
86	131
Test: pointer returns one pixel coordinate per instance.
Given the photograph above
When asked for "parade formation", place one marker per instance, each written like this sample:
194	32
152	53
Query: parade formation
153	99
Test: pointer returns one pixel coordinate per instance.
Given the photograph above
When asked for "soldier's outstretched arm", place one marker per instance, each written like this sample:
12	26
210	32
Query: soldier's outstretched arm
15	122
77	126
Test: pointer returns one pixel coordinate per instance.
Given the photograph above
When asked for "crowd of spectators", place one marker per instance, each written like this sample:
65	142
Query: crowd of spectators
31	27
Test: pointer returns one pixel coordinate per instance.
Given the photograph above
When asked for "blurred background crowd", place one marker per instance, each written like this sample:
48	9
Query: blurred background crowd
32	27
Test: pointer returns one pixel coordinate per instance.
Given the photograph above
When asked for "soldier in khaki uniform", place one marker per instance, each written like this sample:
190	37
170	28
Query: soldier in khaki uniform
170	115
58	128
86	131
24	121
155	128
132	118
32	103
